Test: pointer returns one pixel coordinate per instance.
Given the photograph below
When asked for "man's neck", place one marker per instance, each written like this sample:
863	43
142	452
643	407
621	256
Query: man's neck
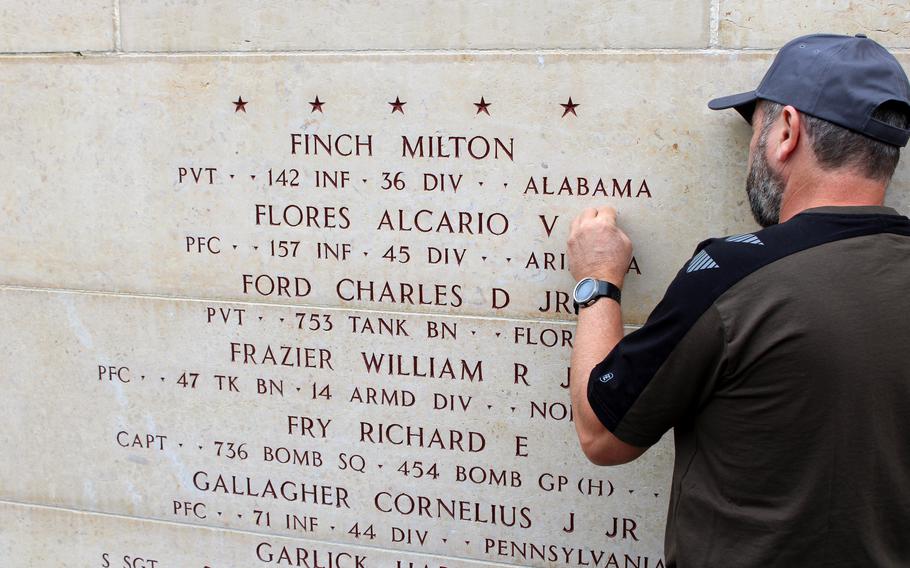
841	190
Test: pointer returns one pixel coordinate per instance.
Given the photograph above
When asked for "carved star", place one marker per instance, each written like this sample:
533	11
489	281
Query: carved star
240	104
482	106
398	105
317	104
569	107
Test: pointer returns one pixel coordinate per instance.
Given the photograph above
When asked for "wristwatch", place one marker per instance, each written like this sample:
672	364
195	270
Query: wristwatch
589	290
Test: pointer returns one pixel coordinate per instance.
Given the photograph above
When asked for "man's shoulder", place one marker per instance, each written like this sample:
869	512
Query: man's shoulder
719	263
736	250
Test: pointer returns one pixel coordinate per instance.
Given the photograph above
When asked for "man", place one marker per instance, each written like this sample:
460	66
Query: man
781	358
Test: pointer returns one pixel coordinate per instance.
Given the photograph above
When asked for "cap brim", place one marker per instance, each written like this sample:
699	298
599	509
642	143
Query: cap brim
744	103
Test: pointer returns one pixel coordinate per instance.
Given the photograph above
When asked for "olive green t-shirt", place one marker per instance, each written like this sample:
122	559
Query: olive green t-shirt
781	359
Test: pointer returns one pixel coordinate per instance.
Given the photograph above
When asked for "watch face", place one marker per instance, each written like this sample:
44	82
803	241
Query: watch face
584	290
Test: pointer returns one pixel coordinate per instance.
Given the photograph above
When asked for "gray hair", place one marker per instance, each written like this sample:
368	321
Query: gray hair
836	147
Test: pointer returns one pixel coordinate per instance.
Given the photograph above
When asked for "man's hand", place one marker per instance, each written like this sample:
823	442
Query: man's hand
597	247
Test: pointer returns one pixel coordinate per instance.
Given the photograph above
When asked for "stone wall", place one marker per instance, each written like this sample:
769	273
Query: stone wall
282	283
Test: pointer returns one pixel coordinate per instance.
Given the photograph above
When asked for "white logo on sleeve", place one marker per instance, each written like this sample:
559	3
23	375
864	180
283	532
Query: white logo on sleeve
701	261
748	239
606	378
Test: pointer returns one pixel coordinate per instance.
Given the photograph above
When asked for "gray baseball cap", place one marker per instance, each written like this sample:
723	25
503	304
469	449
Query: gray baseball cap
841	79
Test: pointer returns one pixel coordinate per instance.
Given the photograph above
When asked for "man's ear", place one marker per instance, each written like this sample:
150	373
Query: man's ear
788	137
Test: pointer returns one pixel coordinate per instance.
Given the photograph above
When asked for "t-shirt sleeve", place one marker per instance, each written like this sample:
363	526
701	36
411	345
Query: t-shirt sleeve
662	373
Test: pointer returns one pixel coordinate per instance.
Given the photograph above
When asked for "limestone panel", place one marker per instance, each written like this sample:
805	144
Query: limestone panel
435	434
38	536
297	180
56	25
770	25
219	25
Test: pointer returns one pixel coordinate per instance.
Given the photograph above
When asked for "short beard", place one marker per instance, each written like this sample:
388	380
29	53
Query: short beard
764	186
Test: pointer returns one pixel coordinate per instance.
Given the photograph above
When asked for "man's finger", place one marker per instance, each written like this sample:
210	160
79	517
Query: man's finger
588	213
609	212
